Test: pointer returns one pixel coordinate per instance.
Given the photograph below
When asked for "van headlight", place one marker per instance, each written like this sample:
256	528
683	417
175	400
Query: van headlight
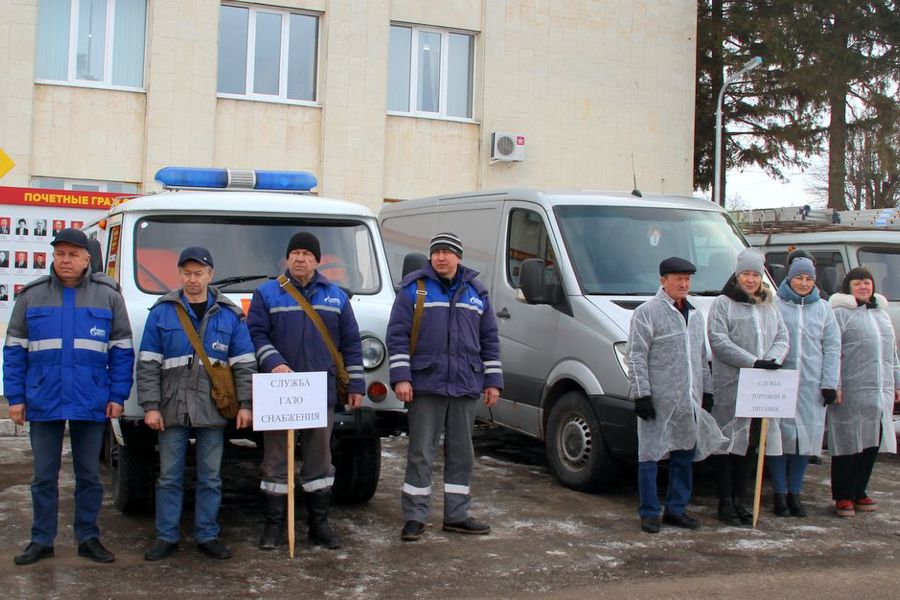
372	353
619	347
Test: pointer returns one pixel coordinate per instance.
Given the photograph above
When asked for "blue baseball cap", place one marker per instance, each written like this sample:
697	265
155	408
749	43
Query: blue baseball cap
69	235
196	253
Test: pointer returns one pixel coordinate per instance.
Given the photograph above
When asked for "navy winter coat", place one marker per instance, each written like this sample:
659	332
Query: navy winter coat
284	335
457	351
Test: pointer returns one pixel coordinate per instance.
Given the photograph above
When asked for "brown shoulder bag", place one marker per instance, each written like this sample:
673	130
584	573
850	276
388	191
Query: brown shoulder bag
221	379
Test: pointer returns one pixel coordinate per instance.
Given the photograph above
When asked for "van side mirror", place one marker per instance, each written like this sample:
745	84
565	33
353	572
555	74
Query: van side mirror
531	281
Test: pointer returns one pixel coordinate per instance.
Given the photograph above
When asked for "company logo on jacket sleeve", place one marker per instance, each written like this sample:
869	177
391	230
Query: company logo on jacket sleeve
219	346
97	332
476	301
330	300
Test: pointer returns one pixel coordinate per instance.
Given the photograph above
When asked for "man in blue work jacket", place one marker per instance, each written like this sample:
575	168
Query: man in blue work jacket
456	359
68	357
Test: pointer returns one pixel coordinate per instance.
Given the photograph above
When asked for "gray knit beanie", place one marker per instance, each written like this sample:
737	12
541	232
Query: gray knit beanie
750	260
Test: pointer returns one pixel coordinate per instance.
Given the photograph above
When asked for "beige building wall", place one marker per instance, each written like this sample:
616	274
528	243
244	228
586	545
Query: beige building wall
590	85
18	27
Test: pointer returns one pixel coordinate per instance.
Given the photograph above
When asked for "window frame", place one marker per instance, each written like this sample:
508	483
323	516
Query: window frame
68	183
109	33
281	98
445	65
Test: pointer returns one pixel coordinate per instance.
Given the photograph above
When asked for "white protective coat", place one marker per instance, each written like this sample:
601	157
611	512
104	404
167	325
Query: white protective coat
870	373
816	353
739	334
667	360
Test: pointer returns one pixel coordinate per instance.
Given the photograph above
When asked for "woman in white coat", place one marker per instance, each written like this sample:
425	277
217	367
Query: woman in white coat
859	422
816	353
745	331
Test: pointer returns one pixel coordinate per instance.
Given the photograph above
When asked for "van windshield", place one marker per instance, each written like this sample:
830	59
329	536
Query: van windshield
617	249
246	251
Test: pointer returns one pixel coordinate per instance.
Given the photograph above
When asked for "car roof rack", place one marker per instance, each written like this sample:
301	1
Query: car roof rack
802	219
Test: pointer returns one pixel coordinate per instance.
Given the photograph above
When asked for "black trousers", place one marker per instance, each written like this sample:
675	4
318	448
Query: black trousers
733	471
850	474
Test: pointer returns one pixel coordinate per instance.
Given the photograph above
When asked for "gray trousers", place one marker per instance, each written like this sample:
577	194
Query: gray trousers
316	473
428	417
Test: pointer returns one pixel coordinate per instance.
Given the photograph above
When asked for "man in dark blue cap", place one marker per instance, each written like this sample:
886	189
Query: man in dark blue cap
68	357
671	387
174	391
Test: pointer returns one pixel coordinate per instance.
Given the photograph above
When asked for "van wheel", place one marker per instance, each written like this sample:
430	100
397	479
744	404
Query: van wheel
133	477
575	448
357	467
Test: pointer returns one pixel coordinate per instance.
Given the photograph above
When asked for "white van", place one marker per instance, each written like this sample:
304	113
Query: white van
565	271
247	230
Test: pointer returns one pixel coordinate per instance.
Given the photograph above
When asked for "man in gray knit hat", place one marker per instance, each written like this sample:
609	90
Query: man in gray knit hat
448	357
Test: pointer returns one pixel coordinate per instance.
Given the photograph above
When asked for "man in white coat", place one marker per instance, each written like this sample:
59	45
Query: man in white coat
671	386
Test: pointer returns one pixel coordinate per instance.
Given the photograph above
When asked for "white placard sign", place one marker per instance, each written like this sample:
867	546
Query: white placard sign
770	394
290	400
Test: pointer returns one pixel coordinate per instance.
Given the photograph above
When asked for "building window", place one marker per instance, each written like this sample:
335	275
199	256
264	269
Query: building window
430	72
265	54
92	42
84	185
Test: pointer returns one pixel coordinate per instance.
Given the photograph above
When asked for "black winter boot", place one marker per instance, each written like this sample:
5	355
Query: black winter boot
780	505
275	510
317	504
727	514
743	513
795	506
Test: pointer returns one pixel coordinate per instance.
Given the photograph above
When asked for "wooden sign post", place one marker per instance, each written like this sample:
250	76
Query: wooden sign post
289	401
766	394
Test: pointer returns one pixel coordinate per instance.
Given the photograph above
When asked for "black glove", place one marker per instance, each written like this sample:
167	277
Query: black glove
828	396
708	402
643	408
767	363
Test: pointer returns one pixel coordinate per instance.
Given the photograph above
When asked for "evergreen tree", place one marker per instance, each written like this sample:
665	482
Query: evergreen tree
830	67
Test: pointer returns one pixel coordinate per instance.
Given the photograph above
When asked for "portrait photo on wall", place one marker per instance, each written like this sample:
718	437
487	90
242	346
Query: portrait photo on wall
39	260
58	225
4	225
21	259
16	289
4	292
4	259
76	224
40	228
22	226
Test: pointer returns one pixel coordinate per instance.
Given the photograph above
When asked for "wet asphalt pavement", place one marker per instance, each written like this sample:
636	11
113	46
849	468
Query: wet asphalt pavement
547	541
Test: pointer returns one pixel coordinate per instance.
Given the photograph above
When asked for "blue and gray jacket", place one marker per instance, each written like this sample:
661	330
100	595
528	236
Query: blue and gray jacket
283	335
173	380
458	350
69	350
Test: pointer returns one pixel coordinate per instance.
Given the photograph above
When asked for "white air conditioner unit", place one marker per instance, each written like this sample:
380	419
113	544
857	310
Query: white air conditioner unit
507	146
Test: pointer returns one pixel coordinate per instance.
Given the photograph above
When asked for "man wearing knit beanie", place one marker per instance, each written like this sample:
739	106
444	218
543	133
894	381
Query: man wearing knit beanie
444	353
286	340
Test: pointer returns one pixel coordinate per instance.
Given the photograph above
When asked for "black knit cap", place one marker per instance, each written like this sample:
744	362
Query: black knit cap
304	240
857	273
673	264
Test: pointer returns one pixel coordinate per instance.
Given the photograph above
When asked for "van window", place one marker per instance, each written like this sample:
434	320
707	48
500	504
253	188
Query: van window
617	249
248	247
527	239
884	263
830	269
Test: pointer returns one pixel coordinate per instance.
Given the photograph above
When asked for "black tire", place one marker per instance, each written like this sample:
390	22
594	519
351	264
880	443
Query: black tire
576	451
133	477
357	467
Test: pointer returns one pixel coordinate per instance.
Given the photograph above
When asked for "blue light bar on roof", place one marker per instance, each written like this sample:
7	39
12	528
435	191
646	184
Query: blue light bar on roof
193	177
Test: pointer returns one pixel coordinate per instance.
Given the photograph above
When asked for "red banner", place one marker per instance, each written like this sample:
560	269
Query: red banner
58	198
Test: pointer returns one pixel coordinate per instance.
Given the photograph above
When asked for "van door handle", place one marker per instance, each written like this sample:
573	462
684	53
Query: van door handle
503	313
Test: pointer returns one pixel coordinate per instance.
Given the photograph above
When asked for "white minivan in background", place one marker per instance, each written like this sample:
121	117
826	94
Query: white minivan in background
245	219
565	271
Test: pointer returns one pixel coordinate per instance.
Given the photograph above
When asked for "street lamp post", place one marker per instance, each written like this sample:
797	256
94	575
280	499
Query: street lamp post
717	189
